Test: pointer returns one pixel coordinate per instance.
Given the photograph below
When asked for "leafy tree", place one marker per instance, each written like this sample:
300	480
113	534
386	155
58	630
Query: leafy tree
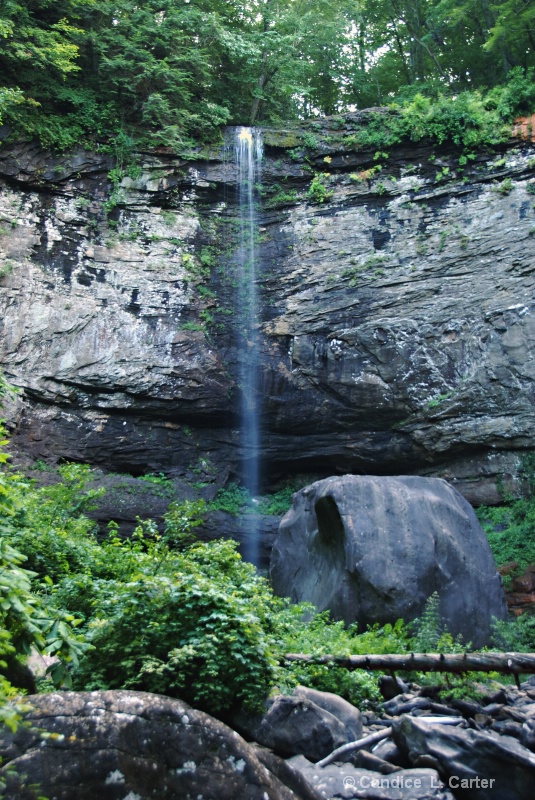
39	53
26	621
171	73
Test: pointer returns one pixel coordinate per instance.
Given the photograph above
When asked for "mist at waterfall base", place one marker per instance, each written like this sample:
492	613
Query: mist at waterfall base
248	157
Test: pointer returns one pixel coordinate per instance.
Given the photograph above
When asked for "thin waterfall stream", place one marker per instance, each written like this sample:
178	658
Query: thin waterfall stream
248	150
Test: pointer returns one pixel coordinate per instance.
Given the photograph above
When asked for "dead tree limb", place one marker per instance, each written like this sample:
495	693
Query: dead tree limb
352	747
378	736
510	663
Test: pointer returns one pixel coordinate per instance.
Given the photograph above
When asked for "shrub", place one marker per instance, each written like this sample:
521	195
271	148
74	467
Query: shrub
201	632
50	527
515	635
26	620
318	191
510	530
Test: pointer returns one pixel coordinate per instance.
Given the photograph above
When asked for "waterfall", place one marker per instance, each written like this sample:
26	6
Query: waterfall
248	149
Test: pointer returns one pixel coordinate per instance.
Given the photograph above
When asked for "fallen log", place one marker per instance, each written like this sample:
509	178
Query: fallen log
510	663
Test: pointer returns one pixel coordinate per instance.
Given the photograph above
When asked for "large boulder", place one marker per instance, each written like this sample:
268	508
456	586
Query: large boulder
374	549
116	745
298	725
309	722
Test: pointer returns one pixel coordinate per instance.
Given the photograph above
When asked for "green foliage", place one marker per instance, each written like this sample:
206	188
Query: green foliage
510	530
515	635
171	74
318	191
429	633
278	503
26	619
233	499
467	119
435	401
505	187
281	197
200	632
181	520
49	526
319	636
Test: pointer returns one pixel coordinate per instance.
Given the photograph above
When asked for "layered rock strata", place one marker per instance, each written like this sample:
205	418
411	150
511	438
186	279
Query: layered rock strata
396	316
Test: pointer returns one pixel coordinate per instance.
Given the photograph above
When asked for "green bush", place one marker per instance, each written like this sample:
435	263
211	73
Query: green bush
233	499
319	636
318	191
26	619
200	632
49	526
510	530
515	635
278	503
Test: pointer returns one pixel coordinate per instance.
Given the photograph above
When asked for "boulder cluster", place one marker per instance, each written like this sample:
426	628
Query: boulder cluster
124	745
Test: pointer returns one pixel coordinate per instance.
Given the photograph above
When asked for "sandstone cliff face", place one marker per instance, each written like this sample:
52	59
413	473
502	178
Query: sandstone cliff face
396	317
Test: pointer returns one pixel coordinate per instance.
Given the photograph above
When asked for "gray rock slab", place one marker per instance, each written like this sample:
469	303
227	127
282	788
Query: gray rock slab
344	782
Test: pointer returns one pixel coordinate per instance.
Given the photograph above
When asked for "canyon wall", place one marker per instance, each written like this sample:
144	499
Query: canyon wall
396	315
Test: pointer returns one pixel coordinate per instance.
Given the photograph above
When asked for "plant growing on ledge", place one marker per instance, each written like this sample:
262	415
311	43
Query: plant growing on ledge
318	191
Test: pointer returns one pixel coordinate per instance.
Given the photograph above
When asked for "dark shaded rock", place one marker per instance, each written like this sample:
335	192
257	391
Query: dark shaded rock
498	766
404	704
287	775
375	549
493	709
119	744
347	713
391	687
491	695
467	707
388	751
527	736
297	725
346	781
506	727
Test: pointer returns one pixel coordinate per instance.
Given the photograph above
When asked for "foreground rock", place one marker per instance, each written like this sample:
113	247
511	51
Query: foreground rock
348	782
374	549
119	744
463	749
310	723
480	764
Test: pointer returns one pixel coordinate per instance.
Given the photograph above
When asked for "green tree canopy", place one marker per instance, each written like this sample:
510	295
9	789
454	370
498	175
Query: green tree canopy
171	72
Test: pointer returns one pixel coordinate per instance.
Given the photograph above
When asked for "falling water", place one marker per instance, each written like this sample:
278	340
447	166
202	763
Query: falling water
248	148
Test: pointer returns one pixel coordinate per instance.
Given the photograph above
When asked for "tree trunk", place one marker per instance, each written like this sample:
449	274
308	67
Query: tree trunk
510	663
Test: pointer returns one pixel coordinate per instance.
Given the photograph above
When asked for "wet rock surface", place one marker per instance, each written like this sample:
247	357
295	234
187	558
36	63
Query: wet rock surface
396	319
373	550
